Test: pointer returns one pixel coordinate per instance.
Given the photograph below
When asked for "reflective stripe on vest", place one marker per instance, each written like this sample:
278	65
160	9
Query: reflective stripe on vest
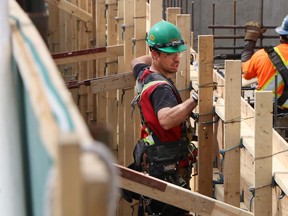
270	85
146	86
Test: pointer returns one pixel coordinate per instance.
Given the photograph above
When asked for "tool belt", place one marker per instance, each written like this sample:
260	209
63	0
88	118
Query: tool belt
162	161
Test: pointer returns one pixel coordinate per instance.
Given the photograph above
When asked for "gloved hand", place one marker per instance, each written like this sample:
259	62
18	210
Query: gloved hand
253	31
139	150
194	96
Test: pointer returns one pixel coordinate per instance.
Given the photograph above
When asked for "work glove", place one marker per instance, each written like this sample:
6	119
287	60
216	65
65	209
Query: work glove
138	152
194	96
253	31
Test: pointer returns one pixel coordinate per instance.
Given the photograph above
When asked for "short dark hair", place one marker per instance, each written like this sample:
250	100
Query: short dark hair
153	48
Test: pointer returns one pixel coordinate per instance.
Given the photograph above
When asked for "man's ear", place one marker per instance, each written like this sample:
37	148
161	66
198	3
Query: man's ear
154	54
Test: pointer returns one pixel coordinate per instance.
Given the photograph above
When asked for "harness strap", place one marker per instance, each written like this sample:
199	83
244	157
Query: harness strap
281	68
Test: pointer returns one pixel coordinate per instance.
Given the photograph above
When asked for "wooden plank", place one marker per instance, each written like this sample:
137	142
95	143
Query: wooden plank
232	116
71	9
280	175
91	100
70	180
140	27
111	51
280	149
112	66
171	13
174	195
98	191
205	106
83	36
155	13
28	70
129	139
99	113
53	25
66	145
172	19
263	152
121	144
183	73
139	50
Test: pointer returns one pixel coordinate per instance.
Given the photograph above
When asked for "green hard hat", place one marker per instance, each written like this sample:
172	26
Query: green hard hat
165	37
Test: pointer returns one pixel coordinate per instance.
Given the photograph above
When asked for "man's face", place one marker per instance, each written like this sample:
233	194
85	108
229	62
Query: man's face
169	62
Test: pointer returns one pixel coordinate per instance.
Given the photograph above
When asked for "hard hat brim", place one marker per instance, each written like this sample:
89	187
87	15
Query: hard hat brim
280	31
174	49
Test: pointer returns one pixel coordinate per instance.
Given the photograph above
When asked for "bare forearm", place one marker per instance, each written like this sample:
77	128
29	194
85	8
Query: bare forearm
146	59
172	117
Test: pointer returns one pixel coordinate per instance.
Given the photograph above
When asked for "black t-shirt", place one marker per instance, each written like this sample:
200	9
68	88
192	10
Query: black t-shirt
162	96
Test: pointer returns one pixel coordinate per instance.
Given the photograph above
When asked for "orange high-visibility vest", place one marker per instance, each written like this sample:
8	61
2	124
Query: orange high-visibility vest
260	66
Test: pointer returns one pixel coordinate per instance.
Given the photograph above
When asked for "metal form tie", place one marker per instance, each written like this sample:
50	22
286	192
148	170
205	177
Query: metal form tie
123	26
217	118
134	40
274	184
108	63
252	190
223	151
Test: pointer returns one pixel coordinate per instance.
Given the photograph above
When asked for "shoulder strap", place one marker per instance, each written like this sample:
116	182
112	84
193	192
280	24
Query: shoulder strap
281	68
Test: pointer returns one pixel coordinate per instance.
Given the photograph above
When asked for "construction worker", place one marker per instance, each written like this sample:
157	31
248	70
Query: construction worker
164	150
269	68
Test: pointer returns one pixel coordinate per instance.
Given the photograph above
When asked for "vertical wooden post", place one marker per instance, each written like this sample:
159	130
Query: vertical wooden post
90	100
232	116
139	47
171	17
83	43
171	13
121	69
100	63
183	75
70	180
128	33
205	106
112	105
155	12
263	153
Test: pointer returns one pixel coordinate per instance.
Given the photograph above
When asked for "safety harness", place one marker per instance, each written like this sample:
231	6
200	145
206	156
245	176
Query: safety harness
161	159
282	69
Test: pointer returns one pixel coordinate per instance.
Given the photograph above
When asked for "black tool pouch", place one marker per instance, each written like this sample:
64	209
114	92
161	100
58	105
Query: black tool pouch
163	159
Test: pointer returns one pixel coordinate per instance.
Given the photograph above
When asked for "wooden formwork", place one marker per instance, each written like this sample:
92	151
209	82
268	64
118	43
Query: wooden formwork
252	156
52	123
110	33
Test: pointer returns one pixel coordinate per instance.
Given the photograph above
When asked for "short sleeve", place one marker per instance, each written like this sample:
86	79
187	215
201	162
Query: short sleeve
162	97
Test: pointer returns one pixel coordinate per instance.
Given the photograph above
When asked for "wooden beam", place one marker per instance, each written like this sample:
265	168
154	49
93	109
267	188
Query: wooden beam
171	13
88	55
263	153
174	195
140	7
129	135
112	66
206	113
71	9
70	179
183	73
155	13
232	116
